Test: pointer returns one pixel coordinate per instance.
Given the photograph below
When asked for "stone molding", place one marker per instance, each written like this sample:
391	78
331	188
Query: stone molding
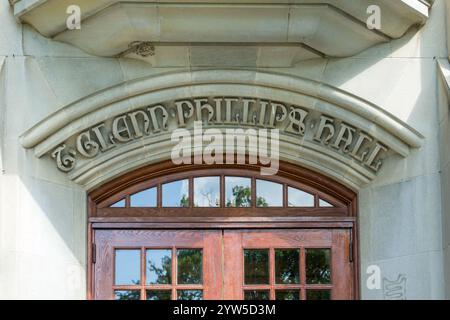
444	72
2	112
313	96
257	33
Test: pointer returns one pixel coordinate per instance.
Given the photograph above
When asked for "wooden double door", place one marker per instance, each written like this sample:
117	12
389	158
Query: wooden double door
263	264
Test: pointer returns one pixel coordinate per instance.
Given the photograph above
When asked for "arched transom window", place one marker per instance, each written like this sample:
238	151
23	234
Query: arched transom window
226	191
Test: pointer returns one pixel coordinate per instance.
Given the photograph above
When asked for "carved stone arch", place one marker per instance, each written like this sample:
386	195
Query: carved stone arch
56	134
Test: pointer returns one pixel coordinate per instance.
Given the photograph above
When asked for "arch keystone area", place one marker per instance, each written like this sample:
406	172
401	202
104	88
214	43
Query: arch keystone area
87	141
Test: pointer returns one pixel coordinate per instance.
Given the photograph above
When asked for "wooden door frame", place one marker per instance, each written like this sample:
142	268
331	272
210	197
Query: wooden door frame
349	220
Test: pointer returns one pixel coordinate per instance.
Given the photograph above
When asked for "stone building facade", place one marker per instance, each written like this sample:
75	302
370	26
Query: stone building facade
68	98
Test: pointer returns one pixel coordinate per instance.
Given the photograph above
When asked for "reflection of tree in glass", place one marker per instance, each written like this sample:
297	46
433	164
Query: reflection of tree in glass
261	202
128	294
159	295
287	266
208	195
318	266
256	295
318	295
242	197
256	266
287	295
184	202
162	272
190	295
190	266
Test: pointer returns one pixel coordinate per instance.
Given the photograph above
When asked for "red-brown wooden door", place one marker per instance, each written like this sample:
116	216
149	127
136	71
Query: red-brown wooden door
223	264
158	264
287	265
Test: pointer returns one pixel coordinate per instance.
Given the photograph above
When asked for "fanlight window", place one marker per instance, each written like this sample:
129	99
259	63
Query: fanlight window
207	192
269	194
176	194
232	191
238	192
299	198
119	204
324	204
145	199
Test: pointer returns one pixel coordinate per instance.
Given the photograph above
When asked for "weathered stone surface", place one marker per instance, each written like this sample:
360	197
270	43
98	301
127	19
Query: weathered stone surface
333	28
404	221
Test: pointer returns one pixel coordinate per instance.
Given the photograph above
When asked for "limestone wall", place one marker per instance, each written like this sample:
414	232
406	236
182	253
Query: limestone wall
444	138
43	214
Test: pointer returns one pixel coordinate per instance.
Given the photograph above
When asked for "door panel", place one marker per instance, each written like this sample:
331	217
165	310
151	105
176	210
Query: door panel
263	264
185	264
289	264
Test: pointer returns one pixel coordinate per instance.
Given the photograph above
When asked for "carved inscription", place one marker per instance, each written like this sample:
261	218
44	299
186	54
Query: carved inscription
223	112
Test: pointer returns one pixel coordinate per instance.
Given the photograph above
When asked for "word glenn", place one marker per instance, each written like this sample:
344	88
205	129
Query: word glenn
221	113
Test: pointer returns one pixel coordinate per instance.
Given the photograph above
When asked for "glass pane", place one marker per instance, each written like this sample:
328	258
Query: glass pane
127	294
299	198
159	294
287	266
287	295
207	192
190	294
238	192
176	194
256	295
190	264
256	266
118	204
144	199
318	270
324	204
318	295
269	194
128	267
159	266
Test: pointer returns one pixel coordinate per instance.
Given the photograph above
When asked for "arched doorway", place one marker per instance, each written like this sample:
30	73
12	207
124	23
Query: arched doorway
222	232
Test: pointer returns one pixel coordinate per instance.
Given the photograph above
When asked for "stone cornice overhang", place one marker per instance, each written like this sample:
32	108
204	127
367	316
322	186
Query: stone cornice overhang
444	72
305	29
313	96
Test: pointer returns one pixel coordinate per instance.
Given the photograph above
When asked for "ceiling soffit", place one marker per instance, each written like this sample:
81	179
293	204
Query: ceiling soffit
222	33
